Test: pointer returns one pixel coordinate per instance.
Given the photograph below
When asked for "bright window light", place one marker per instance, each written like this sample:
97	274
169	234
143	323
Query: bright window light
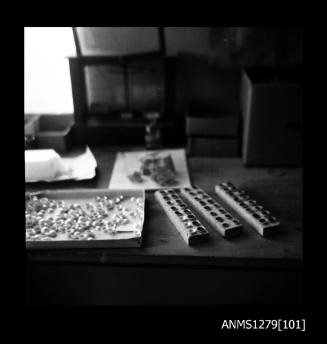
47	82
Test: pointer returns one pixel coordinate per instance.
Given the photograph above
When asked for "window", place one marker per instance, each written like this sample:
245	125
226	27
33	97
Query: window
47	85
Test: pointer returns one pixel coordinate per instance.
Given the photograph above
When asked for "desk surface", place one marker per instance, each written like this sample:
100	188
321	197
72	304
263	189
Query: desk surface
278	189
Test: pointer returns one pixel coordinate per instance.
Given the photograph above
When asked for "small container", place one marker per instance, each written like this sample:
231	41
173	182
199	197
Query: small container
152	136
152	131
55	131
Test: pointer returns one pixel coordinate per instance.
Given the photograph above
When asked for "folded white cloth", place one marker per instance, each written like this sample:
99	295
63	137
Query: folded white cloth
42	164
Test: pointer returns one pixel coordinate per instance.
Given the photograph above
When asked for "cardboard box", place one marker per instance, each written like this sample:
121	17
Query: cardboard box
271	102
55	131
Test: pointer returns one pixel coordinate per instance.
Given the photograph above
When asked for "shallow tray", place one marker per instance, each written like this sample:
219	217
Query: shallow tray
102	240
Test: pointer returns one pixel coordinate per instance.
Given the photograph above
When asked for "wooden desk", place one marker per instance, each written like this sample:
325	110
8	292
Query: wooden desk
246	269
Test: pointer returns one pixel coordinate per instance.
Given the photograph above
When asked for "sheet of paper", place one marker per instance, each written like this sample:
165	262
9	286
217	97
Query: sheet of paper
80	167
77	167
128	162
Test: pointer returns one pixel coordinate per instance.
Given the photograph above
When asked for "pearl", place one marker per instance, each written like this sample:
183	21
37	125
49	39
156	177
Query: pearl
52	234
37	230
44	230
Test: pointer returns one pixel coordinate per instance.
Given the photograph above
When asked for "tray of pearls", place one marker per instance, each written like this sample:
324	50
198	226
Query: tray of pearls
90	218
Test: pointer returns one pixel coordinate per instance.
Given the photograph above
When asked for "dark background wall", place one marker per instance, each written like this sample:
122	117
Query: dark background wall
204	63
225	46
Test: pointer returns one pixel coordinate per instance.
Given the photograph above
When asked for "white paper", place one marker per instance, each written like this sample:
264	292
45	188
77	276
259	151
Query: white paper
77	168
128	162
42	164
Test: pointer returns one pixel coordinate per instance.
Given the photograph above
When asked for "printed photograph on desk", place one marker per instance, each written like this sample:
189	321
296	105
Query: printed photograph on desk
150	170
